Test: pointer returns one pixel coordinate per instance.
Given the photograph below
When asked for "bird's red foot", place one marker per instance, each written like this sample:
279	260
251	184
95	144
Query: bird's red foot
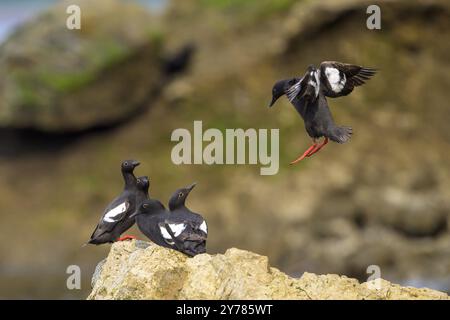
311	150
305	154
318	147
127	237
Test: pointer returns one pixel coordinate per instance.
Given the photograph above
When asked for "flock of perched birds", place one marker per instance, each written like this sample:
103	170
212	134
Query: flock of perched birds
181	229
178	228
308	95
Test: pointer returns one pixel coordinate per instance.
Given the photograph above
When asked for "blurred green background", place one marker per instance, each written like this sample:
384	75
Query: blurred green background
75	103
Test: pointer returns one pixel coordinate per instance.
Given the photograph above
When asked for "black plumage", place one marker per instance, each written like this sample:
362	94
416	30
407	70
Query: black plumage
175	230
116	217
319	120
308	95
177	205
143	184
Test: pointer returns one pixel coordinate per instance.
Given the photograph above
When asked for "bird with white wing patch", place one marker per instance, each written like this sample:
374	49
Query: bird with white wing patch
309	97
177	206
116	217
177	230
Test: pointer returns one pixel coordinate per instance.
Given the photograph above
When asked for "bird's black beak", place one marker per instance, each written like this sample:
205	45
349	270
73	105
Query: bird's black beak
273	101
191	186
135	163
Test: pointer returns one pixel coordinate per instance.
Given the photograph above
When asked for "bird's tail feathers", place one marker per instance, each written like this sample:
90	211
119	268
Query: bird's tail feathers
341	134
90	241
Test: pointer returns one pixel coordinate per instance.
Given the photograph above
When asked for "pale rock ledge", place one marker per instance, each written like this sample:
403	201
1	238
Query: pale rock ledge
142	270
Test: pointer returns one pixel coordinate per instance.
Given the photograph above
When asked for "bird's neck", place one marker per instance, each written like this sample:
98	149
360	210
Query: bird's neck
143	194
178	206
161	206
129	178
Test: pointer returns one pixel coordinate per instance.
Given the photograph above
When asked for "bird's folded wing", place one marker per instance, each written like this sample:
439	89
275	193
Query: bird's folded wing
116	213
178	232
170	230
343	77
193	237
204	227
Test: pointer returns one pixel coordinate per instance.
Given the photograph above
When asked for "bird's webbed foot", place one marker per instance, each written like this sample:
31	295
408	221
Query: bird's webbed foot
127	237
311	150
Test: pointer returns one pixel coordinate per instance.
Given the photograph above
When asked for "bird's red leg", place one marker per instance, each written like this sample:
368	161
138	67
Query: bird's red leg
305	154
318	147
126	237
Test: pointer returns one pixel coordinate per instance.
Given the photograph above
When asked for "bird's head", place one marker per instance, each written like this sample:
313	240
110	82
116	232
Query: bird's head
129	165
280	88
143	183
178	198
149	206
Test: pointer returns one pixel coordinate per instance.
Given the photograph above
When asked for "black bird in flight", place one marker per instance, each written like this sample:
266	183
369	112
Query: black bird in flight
116	217
308	96
175	230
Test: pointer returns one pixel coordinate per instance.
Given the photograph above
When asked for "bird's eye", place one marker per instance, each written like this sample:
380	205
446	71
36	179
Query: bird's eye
138	180
125	163
180	194
145	206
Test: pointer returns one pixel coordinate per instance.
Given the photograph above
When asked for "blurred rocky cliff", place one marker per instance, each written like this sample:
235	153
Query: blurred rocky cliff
382	199
55	79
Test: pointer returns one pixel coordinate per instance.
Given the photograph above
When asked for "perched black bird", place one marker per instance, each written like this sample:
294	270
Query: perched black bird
308	96
142	183
116	217
177	206
171	230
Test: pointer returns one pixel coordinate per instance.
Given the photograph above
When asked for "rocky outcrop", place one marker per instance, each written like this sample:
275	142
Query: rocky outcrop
139	270
56	79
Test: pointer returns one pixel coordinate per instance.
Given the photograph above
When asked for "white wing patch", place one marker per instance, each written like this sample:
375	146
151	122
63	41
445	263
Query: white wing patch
176	228
334	79
315	82
204	227
317	76
111	214
164	233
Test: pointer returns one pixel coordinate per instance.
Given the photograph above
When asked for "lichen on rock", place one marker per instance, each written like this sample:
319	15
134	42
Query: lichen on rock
136	271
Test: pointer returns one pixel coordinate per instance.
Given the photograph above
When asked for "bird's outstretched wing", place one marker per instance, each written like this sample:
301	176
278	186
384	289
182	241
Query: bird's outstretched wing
339	79
115	212
297	88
